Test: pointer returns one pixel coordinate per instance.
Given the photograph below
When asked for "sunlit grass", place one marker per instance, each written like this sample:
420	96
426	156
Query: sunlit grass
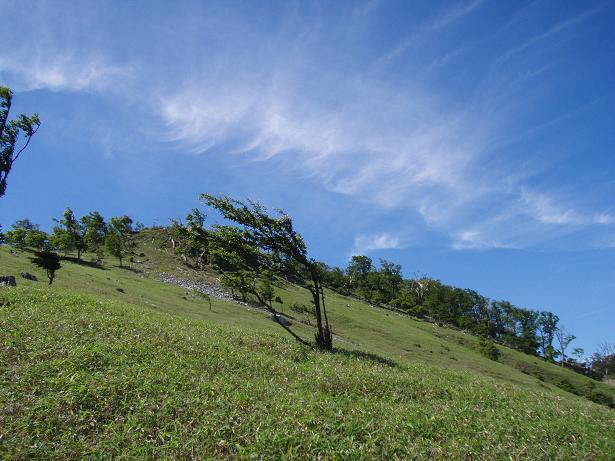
83	378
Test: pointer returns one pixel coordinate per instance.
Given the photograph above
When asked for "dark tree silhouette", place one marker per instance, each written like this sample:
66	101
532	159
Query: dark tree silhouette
49	261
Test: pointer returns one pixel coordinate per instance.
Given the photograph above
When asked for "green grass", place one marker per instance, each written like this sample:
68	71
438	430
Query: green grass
84	378
356	325
152	371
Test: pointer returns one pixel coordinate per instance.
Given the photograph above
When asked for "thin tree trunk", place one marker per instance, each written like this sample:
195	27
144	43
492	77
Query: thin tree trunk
323	336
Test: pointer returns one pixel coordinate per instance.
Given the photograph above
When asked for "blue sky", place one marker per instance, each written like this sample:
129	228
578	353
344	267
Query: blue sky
469	140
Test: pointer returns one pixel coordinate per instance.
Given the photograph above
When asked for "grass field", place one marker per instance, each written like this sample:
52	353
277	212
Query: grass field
83	378
152	371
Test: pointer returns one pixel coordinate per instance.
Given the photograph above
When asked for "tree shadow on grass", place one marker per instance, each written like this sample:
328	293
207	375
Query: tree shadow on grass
92	264
132	269
367	356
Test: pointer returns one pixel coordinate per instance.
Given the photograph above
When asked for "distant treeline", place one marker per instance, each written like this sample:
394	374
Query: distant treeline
529	331
72	235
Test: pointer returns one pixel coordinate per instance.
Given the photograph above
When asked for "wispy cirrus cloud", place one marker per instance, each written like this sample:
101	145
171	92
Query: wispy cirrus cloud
544	209
58	72
364	244
431	26
59	48
397	147
401	144
549	33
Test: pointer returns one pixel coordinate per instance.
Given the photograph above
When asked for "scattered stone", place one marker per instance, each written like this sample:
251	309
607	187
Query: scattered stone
29	276
121	290
206	288
8	280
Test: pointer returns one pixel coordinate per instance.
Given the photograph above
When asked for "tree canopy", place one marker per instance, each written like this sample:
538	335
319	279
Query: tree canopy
47	260
10	133
260	248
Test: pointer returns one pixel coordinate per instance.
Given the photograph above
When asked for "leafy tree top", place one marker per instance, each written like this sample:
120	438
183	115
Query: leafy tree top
271	234
10	132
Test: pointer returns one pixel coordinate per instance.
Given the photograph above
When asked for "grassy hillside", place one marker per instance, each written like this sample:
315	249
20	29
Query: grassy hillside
356	324
83	378
395	386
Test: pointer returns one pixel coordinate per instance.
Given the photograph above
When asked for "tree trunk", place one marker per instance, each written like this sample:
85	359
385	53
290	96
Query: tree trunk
324	338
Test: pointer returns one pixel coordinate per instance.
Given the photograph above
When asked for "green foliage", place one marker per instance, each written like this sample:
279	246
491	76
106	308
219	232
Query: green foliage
564	338
47	260
25	234
488	349
94	233
522	329
10	132
301	309
68	235
261	248
547	325
603	361
602	399
191	241
118	240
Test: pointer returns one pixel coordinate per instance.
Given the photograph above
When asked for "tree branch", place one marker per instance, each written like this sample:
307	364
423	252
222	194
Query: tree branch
25	145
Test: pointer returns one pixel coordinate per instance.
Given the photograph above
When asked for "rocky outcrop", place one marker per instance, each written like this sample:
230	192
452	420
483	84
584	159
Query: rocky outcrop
8	280
29	276
206	288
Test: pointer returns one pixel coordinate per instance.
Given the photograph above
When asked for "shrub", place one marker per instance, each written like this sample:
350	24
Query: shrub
301	308
488	349
602	399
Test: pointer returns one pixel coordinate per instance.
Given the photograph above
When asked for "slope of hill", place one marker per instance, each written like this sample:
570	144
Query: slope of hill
396	386
102	379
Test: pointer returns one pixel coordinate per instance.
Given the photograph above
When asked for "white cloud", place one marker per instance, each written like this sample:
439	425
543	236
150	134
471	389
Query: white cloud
475	240
437	23
60	73
365	243
545	209
397	148
604	218
399	144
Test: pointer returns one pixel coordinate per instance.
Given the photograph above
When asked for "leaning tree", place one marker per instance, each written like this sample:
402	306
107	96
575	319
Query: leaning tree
262	247
10	133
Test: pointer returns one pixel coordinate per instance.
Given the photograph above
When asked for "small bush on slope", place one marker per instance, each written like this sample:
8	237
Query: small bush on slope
488	349
83	379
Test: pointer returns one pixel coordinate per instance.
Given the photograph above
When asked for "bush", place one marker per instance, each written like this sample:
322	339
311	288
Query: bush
602	399
488	349
567	386
301	308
